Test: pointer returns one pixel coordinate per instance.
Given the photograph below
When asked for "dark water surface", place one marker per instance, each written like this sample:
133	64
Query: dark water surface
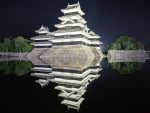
111	92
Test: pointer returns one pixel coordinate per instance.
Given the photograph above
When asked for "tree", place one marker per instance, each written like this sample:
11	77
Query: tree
22	44
2	47
7	44
126	43
18	44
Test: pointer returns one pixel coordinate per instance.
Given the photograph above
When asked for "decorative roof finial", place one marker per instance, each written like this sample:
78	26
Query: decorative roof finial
78	3
42	26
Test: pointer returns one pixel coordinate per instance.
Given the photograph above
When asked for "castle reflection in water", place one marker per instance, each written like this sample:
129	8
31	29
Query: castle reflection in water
71	83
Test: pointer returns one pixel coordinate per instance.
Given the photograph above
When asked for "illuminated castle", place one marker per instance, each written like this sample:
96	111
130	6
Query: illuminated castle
69	56
72	30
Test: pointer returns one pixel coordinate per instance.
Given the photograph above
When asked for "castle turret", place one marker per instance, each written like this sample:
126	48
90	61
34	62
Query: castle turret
42	40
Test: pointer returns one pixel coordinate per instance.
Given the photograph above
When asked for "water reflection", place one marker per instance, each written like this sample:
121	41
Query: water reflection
127	61
18	68
71	69
126	67
71	83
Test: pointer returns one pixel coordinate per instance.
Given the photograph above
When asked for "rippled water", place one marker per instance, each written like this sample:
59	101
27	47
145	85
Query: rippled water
112	92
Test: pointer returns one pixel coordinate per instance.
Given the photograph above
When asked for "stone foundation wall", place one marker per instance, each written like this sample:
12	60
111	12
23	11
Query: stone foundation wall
126	56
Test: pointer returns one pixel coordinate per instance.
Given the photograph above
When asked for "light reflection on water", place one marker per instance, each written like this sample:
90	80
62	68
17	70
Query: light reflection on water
72	84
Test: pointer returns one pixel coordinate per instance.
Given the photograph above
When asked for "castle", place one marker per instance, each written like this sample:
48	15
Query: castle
69	56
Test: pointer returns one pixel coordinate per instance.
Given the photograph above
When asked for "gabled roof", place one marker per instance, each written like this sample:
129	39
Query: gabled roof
73	5
42	29
73	8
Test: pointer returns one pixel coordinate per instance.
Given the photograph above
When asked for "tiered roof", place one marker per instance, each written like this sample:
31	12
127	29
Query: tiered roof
73	28
42	30
42	40
73	9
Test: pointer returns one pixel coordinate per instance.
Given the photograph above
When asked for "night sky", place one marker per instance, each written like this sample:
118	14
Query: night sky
108	18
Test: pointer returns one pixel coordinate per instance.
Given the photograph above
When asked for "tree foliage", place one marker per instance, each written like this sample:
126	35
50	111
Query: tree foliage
18	44
125	43
7	44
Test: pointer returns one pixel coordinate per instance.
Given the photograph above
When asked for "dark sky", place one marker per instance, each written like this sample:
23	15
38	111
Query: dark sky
108	18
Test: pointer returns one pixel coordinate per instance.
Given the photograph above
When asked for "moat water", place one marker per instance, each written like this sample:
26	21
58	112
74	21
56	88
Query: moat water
112	92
